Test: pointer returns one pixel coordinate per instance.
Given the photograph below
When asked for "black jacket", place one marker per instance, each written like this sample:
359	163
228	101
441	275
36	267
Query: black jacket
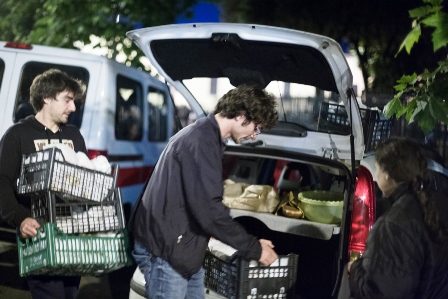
182	204
401	260
25	137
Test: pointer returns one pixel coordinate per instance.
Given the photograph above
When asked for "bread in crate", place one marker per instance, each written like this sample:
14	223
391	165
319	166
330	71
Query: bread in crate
79	216
91	219
49	170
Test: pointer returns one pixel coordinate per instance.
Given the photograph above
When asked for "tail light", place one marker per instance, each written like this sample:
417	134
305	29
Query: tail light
363	213
95	153
16	45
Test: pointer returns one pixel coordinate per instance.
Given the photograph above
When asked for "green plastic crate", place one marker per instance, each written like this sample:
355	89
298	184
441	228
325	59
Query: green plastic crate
54	253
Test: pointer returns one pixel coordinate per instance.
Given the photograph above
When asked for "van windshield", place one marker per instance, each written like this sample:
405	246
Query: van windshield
22	106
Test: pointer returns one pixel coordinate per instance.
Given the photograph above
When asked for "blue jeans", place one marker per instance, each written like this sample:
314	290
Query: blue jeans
162	281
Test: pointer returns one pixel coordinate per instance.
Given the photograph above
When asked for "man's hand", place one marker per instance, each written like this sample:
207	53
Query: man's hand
268	255
28	227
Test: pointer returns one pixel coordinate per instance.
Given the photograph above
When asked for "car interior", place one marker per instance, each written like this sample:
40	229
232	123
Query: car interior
317	254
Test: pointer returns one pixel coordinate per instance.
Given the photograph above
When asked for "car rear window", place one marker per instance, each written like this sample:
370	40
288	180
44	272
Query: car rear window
307	106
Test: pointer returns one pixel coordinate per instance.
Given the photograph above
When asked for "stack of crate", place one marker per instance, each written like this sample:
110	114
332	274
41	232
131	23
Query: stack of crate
82	229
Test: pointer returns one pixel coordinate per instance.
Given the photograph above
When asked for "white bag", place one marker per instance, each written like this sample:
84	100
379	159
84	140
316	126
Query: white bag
256	198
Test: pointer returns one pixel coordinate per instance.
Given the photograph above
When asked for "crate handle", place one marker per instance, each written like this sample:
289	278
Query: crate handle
31	239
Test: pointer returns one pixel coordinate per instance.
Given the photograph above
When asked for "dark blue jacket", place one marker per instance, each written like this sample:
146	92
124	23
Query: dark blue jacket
181	207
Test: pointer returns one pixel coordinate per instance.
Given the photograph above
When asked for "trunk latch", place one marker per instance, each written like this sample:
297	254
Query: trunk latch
330	153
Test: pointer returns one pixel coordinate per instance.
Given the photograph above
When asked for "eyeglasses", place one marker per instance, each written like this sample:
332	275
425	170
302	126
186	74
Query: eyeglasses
257	130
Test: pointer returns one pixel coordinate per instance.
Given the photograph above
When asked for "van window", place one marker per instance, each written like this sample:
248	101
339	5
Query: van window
129	109
2	70
157	107
23	108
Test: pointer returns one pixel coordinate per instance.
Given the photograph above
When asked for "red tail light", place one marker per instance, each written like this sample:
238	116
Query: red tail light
16	45
363	213
95	153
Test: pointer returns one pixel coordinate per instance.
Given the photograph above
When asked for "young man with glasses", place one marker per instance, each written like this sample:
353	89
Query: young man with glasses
181	207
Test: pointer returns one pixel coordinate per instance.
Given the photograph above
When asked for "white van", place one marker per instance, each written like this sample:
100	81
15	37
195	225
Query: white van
127	115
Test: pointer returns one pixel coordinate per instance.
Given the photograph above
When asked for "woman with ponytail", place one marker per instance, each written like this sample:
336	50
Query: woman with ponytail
406	252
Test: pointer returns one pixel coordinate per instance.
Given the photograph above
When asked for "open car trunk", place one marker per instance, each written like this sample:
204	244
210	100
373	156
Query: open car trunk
319	246
319	135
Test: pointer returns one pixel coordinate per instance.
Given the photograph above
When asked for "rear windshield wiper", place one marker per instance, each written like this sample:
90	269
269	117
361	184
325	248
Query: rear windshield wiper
287	129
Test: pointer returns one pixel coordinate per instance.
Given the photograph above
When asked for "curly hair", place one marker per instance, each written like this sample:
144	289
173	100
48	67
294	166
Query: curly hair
405	162
257	105
50	83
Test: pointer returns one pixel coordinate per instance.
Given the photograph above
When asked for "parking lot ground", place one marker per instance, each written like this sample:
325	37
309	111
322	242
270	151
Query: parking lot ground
114	285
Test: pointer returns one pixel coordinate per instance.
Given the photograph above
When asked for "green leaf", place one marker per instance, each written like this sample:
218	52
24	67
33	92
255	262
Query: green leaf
425	120
408	79
420	11
393	107
433	2
443	65
400	87
433	20
411	39
411	110
439	88
427	76
438	109
440	35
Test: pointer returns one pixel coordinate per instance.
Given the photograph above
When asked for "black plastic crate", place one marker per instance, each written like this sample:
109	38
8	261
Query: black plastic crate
376	127
73	217
378	131
221	276
240	278
48	171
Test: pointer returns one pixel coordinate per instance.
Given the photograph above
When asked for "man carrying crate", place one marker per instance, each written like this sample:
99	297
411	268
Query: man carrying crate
181	207
52	96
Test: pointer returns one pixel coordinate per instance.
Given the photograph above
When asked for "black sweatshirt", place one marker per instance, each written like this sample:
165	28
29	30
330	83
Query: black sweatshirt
25	137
